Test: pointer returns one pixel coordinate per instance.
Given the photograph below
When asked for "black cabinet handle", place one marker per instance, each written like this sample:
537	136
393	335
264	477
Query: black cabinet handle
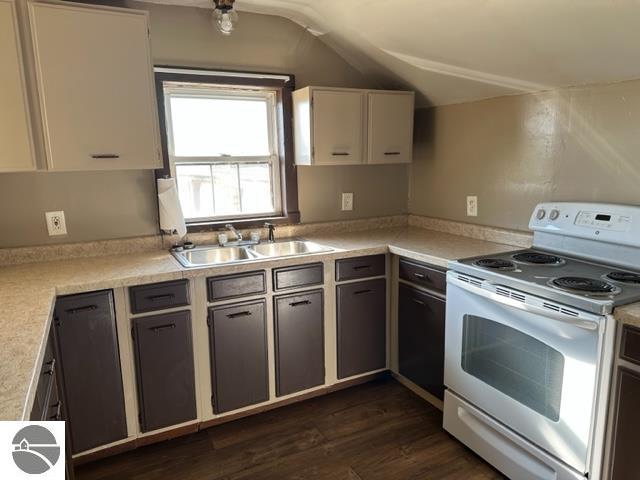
58	415
392	153
362	292
421	276
340	154
159	328
86	308
362	267
419	302
51	370
239	314
302	302
99	156
153	298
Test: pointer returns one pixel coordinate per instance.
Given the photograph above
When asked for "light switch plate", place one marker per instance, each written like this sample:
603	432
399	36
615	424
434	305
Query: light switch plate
472	206
347	202
56	224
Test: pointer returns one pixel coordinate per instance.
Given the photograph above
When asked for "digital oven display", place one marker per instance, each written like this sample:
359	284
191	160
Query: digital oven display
603	218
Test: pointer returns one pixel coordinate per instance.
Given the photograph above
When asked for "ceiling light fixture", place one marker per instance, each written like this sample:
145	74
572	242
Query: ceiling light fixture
224	16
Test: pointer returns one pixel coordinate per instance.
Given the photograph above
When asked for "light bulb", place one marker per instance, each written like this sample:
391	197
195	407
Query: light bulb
225	20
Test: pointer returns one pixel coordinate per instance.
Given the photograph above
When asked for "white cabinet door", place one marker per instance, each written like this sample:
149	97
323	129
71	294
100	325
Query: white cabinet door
15	128
338	127
96	85
390	127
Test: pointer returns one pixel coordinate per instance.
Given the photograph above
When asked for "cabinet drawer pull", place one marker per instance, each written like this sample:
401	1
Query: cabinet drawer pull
99	156
421	276
362	267
419	302
159	328
165	296
246	313
86	308
362	292
392	153
340	154
51	370
302	302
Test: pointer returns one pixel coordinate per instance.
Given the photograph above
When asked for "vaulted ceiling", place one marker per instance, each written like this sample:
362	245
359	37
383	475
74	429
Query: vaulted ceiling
453	51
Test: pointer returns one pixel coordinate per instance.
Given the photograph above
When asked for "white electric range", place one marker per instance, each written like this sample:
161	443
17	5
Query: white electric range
529	341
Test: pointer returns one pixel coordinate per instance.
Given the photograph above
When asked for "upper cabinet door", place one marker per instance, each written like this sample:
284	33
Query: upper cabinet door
96	86
15	128
338	127
390	127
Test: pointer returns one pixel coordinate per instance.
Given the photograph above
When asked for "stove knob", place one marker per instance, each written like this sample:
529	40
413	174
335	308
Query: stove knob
554	214
541	214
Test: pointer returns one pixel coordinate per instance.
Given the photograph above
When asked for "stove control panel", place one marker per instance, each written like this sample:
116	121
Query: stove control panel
616	224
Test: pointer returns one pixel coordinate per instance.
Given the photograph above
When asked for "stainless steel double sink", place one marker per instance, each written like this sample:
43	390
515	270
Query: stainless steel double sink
217	255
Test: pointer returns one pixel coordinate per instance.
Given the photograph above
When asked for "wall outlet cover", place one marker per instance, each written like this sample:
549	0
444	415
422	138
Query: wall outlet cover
472	206
347	202
56	223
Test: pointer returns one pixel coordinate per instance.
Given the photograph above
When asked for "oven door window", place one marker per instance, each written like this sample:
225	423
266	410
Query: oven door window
514	363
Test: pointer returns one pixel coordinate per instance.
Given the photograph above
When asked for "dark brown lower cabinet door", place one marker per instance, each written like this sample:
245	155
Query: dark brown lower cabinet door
625	464
362	327
421	320
238	340
164	367
87	349
299	341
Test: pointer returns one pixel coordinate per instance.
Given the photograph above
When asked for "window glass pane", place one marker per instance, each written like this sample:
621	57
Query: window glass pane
255	185
226	189
514	363
210	127
195	190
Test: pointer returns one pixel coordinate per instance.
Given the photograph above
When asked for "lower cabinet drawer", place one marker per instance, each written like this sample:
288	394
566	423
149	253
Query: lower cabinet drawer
238	340
360	267
159	296
299	341
298	276
423	275
237	285
164	368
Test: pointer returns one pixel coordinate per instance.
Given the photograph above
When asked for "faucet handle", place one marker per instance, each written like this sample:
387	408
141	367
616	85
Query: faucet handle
272	228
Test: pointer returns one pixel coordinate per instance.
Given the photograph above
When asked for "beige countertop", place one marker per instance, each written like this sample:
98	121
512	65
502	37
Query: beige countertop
628	315
28	291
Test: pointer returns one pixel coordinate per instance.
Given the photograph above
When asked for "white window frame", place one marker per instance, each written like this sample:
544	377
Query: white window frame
193	90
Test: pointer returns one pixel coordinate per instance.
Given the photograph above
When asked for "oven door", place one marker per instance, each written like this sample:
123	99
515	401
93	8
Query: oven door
531	368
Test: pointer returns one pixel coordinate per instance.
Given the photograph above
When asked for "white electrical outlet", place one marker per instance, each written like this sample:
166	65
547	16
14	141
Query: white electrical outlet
347	201
472	206
56	223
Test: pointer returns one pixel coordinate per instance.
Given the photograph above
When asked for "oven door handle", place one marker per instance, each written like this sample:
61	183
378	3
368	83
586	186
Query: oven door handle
509	302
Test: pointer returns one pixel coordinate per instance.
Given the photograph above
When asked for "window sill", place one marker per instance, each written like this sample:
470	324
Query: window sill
244	223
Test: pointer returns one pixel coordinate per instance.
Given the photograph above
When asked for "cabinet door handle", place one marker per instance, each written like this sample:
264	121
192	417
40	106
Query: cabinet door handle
86	308
419	302
159	328
246	313
58	407
302	302
340	154
362	292
51	370
153	298
99	156
392	153
362	267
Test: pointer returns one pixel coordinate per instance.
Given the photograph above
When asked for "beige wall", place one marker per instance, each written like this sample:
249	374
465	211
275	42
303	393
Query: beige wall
577	144
121	204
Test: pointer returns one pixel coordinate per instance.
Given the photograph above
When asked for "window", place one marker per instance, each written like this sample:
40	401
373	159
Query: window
226	144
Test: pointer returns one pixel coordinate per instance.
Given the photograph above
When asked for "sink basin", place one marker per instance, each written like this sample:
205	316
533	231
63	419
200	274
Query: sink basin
205	256
201	256
286	249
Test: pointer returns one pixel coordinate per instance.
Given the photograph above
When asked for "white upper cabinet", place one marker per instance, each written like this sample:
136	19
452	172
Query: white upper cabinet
390	127
15	128
334	126
96	87
329	128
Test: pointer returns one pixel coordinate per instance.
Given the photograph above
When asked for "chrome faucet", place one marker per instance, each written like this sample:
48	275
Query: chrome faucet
270	237
238	235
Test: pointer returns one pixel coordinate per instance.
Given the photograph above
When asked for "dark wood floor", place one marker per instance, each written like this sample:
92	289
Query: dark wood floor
379	430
